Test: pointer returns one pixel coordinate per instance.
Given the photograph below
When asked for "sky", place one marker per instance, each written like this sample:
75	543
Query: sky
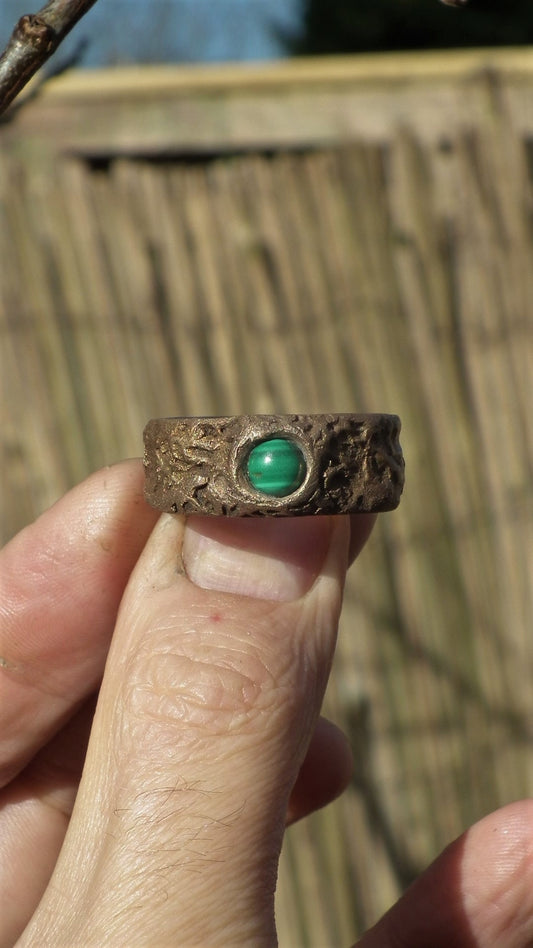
130	31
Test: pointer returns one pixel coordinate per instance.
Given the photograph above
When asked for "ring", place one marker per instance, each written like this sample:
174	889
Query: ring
274	465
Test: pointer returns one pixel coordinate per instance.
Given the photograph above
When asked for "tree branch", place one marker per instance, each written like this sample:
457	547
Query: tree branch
35	37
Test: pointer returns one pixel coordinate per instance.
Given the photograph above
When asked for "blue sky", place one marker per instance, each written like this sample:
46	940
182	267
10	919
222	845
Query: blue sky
122	31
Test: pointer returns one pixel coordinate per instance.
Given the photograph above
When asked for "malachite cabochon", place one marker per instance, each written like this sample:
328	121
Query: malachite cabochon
276	467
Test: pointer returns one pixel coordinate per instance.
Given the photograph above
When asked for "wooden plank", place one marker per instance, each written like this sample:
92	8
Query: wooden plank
161	80
290	105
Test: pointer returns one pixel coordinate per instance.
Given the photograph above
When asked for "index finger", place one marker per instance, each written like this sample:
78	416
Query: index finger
62	582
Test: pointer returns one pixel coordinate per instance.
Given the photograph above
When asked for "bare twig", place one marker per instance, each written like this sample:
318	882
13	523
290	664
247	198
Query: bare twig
35	37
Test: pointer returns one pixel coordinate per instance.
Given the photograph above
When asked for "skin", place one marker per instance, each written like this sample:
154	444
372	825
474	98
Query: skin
209	644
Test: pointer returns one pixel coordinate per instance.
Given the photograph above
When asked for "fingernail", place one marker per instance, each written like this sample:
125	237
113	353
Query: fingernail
277	559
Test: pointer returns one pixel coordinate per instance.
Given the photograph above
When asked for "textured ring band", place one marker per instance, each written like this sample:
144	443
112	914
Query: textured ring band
274	465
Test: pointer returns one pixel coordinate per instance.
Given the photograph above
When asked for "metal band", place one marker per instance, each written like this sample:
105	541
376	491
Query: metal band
274	465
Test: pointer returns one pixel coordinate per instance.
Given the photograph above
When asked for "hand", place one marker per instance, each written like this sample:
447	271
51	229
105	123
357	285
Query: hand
206	739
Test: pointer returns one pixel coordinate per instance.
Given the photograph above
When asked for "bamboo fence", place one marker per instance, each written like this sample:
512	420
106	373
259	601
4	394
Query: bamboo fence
340	236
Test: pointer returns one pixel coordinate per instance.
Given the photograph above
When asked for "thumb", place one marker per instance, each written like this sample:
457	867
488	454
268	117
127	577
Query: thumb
212	689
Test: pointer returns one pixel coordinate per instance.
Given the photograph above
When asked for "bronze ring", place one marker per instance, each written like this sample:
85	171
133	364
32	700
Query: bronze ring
274	465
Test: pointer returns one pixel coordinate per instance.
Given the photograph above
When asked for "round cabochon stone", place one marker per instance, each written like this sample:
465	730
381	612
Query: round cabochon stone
276	467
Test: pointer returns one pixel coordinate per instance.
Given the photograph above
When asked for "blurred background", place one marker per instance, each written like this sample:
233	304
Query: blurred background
118	32
181	233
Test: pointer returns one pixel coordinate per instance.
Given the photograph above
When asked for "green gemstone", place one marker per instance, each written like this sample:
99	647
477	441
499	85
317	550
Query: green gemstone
276	467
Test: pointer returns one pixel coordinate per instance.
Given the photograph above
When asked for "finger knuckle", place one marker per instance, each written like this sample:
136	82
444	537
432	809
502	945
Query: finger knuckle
195	685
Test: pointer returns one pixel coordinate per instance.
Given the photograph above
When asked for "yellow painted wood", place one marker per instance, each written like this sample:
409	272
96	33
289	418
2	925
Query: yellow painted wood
135	81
